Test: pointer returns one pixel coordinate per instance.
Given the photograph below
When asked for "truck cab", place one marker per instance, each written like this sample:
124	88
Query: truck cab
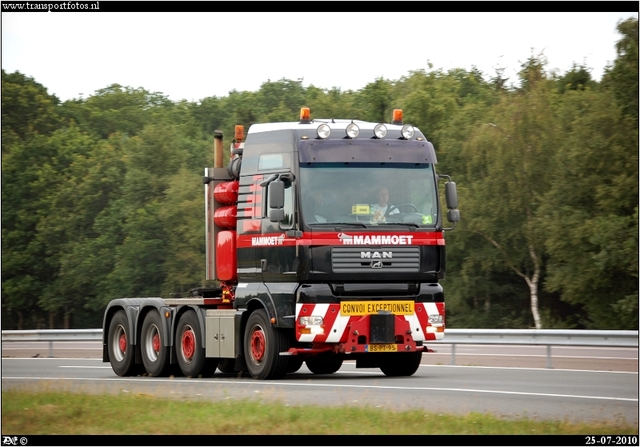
325	238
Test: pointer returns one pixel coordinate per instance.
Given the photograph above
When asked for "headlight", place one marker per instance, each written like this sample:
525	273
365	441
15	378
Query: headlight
435	319
380	131
353	130
323	131
407	132
311	321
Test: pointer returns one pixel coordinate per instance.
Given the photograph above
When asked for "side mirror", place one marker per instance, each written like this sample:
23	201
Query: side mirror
276	215
453	216
451	197
276	195
451	194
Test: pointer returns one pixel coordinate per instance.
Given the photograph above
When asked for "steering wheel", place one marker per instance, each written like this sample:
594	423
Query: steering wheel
397	207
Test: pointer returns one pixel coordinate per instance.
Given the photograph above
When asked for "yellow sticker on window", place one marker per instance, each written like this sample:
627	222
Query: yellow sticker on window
360	209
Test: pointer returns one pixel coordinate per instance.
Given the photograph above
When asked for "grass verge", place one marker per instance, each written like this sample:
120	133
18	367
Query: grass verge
56	413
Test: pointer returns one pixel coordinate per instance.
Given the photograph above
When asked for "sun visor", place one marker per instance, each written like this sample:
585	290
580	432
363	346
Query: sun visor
366	151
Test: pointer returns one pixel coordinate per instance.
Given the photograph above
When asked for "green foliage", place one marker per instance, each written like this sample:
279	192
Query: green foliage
577	78
622	78
375	101
591	219
27	109
117	109
532	71
182	216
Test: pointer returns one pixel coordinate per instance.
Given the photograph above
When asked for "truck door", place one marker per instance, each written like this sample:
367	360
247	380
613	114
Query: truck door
277	254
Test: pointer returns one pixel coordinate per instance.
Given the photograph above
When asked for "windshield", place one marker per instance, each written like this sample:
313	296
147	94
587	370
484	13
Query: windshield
368	194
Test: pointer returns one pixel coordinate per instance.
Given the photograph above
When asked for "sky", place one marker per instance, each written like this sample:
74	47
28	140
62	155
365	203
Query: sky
192	56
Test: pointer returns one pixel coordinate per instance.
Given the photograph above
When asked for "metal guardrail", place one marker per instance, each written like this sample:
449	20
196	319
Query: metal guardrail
453	337
539	337
52	335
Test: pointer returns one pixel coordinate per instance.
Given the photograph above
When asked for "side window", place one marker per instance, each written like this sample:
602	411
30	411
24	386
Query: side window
282	210
287	223
270	161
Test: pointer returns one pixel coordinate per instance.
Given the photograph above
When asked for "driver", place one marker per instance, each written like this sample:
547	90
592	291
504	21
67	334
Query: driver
382	209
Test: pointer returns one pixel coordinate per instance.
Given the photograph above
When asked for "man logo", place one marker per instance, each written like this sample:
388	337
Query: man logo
376	265
376	255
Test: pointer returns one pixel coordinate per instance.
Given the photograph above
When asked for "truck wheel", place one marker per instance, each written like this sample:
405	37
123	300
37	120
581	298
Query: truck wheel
190	351
324	365
402	364
121	352
262	346
155	355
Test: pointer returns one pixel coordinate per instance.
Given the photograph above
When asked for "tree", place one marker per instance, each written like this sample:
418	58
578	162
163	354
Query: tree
577	78
31	173
182	215
506	171
280	101
27	109
591	211
375	104
532	71
622	78
117	109
84	251
429	101
331	103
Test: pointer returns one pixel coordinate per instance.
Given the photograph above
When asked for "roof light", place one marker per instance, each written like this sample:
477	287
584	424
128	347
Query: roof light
380	131
352	130
305	115
407	132
397	116
323	131
239	133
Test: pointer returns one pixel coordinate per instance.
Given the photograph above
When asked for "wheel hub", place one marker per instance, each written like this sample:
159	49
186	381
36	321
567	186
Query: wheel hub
122	342
258	345
156	342
188	344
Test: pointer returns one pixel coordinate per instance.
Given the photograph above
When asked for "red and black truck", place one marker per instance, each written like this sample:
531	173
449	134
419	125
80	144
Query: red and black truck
304	270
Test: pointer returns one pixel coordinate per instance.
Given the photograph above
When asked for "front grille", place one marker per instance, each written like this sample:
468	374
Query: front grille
372	260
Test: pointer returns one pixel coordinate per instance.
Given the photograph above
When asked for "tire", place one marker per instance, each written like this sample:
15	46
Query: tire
324	365
190	351
403	364
227	366
262	346
155	355
295	363
121	351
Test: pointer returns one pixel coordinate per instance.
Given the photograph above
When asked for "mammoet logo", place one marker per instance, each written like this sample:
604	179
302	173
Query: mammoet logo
374	239
267	240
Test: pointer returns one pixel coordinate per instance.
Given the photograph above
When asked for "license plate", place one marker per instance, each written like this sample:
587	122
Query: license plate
382	348
358	308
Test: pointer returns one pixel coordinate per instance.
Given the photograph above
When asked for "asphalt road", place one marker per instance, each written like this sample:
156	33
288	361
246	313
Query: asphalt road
509	382
562	357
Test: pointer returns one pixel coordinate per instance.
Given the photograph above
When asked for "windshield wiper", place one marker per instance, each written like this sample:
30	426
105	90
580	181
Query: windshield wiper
353	224
409	224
